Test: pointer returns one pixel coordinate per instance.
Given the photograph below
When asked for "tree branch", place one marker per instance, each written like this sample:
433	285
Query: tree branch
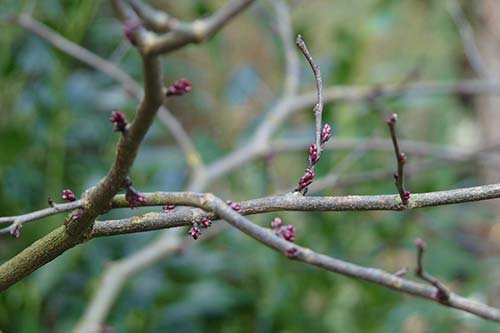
96	201
210	203
195	32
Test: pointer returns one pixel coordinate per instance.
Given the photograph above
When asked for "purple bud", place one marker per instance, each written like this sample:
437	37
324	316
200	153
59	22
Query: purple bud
306	179
68	195
234	205
205	222
76	216
313	154
179	88
402	158
406	195
134	197
291	252
391	120
276	223
15	231
194	232
326	133
168	208
129	28
118	118
420	243
288	232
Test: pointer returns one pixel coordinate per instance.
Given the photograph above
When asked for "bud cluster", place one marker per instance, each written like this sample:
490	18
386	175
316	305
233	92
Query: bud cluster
195	230
313	159
67	195
179	88
286	232
118	118
234	205
133	197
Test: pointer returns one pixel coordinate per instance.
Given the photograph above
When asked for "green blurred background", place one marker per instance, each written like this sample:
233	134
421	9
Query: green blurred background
55	134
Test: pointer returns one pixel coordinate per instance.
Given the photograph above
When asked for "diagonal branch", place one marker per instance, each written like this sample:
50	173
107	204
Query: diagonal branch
211	203
195	32
193	157
96	201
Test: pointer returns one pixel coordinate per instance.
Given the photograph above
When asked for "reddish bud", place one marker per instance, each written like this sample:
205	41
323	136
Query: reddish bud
313	155
179	88
288	233
76	216
402	158
406	196
306	179
234	205
291	252
391	120
205	222
276	223
168	208
420	244
15	231
194	232
118	118
68	195
129	28
134	197
326	133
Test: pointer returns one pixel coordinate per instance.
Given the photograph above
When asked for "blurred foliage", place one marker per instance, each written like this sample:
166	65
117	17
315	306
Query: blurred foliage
54	134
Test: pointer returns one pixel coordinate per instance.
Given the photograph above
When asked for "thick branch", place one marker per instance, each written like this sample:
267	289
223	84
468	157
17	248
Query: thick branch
96	200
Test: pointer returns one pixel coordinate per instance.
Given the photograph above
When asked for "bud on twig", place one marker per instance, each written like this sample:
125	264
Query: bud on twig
179	88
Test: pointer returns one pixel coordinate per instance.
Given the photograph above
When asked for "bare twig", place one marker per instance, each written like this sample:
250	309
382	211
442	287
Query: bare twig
467	36
155	20
318	108
401	160
442	293
193	157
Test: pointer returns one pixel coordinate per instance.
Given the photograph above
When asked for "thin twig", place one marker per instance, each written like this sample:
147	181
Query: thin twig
322	135
400	159
318	108
442	292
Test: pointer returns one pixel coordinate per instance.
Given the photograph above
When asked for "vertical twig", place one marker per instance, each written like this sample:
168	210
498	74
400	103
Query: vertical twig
323	134
400	159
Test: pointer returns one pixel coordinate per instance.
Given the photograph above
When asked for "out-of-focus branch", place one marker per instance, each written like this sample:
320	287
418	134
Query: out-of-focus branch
155	20
193	157
467	36
195	32
80	53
